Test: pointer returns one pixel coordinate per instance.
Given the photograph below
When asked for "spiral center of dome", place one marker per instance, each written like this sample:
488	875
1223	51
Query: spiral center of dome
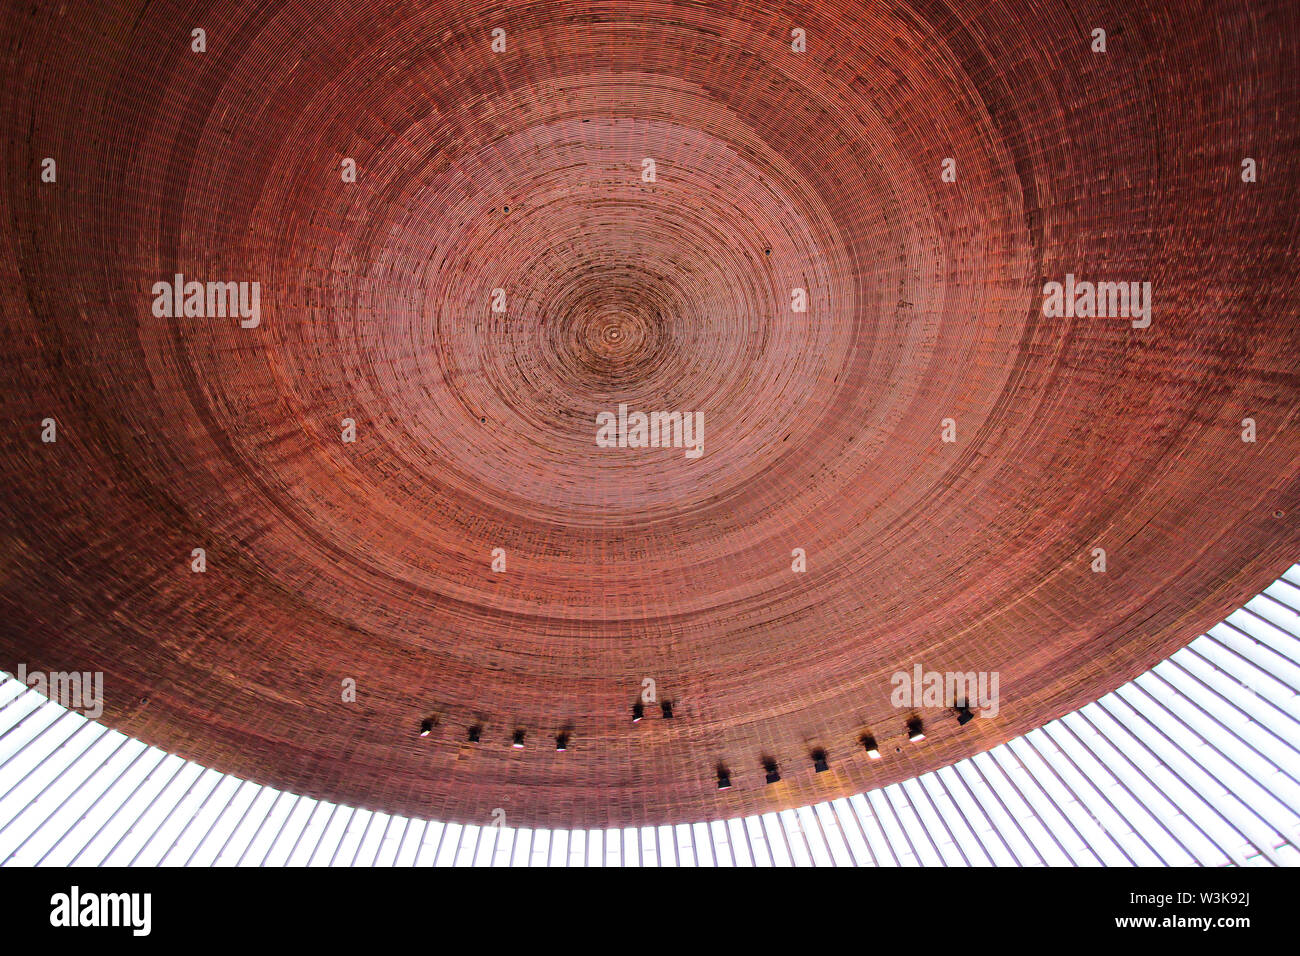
614	338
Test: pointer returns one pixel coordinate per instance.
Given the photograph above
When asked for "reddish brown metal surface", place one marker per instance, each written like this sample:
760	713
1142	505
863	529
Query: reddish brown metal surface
522	170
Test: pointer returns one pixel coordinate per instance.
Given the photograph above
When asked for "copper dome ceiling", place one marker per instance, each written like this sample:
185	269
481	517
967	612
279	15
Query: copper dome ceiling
506	267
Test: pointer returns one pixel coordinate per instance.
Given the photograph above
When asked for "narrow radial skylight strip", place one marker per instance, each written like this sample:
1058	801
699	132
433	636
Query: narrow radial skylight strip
1193	763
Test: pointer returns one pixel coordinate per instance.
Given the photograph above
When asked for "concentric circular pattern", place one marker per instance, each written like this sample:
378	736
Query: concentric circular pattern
624	207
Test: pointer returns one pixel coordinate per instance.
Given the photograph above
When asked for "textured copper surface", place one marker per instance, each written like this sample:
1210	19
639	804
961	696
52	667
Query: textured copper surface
475	429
